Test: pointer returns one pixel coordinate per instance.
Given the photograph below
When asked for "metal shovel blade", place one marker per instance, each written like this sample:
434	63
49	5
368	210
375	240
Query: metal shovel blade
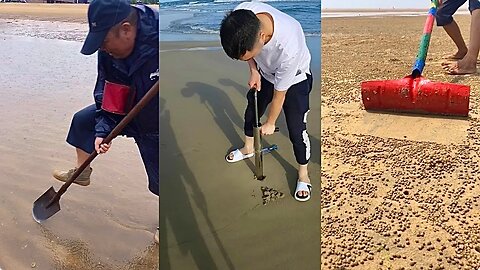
41	209
49	203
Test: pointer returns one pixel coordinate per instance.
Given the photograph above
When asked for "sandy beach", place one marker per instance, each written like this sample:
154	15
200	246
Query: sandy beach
45	80
398	191
45	12
212	214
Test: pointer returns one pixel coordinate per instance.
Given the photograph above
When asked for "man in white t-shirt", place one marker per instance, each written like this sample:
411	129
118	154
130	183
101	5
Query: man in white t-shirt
273	44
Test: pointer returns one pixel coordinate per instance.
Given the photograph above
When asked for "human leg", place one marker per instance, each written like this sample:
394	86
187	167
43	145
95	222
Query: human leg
468	64
81	136
296	108
455	34
445	19
148	145
264	98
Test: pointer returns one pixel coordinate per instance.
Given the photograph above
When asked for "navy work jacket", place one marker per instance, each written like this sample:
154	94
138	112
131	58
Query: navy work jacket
140	71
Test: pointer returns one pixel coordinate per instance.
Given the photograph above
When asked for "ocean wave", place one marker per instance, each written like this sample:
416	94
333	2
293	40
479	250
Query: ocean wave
201	29
313	34
185	26
206	15
198	29
213	2
185	3
266	1
193	5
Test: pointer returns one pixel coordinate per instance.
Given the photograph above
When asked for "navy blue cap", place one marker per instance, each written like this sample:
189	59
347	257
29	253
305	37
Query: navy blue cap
102	16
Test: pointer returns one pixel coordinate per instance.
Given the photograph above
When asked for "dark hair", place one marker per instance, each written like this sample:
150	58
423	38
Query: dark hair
239	32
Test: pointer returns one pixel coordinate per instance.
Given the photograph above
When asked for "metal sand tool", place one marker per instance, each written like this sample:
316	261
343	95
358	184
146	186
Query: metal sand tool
414	93
49	203
257	138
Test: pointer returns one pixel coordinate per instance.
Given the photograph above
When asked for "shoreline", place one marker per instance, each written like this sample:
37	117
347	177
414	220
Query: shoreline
313	43
168	36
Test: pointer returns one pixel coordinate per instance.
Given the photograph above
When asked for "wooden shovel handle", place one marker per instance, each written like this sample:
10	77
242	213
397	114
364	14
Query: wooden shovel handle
114	133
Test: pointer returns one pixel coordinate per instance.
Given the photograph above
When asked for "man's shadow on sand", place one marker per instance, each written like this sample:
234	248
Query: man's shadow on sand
179	185
314	142
219	106
223	111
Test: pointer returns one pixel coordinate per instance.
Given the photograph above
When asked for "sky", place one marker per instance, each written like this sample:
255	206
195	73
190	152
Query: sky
383	4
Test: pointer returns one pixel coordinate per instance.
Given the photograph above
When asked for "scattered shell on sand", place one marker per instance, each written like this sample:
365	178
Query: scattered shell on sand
270	194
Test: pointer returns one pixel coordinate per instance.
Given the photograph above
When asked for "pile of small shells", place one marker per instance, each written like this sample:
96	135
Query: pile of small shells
270	195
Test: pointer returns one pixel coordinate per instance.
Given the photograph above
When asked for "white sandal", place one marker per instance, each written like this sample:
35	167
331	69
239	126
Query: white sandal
237	156
302	186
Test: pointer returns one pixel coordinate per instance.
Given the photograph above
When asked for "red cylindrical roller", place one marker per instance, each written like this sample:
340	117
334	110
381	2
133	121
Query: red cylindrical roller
416	95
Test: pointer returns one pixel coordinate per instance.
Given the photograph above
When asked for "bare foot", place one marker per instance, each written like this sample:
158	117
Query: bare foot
456	56
305	179
244	150
461	67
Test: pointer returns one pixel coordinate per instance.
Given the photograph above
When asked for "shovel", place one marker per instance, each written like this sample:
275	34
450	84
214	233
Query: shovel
414	93
49	203
257	142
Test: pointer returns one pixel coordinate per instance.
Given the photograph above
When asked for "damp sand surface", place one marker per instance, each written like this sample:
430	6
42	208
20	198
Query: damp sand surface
399	191
219	219
45	80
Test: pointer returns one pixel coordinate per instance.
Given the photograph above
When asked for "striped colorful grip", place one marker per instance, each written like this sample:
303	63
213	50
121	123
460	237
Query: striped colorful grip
425	40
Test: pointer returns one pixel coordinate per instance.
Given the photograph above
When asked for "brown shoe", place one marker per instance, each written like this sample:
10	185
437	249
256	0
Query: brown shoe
83	179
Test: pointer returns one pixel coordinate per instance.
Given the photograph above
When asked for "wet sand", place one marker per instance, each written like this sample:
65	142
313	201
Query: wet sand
398	191
212	214
108	225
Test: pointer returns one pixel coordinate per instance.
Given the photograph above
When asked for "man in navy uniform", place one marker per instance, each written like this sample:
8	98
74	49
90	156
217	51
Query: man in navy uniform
127	41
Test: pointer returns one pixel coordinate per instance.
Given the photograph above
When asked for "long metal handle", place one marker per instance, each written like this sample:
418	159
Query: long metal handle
425	40
258	154
114	133
257	118
257	140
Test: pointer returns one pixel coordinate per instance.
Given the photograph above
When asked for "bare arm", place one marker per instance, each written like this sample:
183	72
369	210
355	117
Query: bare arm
274	111
255	79
252	65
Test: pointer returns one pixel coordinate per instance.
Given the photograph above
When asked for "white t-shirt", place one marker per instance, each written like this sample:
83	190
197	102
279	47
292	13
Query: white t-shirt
285	59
